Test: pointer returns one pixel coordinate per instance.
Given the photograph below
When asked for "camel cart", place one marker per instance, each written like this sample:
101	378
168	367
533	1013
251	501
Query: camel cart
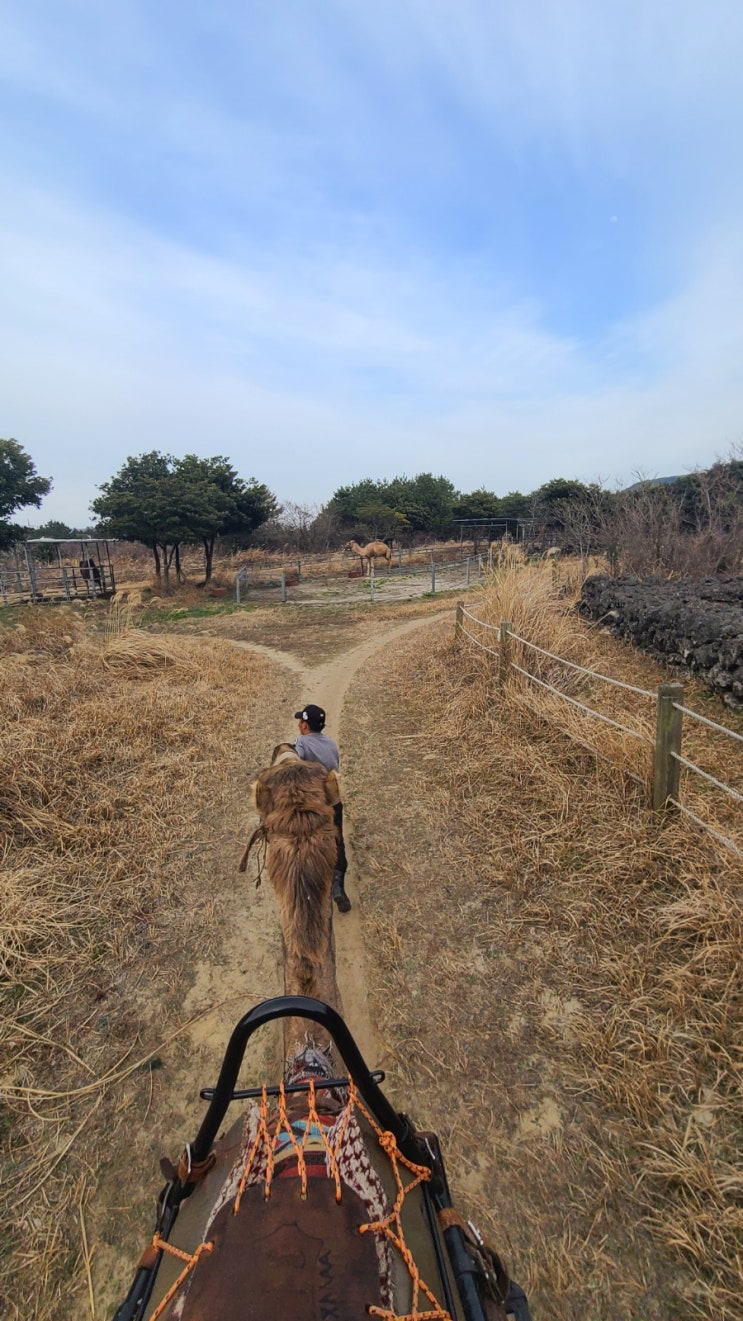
320	1201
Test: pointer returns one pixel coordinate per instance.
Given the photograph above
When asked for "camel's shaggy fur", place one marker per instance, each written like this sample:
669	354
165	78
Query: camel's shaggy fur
295	800
376	550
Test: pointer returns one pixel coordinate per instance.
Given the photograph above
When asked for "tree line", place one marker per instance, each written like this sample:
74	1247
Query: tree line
691	524
160	501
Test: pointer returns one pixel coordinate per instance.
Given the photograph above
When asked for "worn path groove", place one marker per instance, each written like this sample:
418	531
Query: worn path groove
327	684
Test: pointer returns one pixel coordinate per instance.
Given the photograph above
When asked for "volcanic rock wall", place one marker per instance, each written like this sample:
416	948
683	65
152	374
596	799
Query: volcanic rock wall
699	624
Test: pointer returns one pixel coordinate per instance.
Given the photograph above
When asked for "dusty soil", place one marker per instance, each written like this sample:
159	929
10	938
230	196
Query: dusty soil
326	685
311	634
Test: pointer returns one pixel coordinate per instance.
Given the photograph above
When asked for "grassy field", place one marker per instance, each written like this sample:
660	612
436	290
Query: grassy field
124	760
555	969
558	967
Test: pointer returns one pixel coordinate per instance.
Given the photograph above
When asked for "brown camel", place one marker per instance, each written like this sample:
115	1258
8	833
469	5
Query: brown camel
376	550
275	1222
295	800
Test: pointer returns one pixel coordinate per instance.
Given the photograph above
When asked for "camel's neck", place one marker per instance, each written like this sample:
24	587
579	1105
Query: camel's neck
288	755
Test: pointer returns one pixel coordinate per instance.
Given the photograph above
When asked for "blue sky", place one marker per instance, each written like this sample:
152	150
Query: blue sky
334	238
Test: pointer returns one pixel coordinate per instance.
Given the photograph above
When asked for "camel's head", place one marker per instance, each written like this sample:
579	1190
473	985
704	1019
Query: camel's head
284	752
289	781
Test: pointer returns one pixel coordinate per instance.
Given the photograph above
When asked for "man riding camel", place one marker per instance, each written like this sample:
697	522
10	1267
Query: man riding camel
314	745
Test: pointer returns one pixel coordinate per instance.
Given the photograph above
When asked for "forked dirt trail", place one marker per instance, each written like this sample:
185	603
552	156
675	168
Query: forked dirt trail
237	961
326	685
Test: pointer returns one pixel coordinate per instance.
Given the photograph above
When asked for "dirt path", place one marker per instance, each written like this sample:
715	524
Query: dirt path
236	964
327	684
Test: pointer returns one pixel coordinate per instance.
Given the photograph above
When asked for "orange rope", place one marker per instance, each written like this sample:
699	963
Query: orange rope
396	1234
270	1129
267	1139
262	1134
191	1260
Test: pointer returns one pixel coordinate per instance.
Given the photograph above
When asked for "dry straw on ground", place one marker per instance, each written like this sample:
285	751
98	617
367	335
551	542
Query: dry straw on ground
556	968
108	804
559	967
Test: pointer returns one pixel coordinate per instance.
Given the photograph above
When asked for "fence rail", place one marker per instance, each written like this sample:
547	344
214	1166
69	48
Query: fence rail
471	568
667	757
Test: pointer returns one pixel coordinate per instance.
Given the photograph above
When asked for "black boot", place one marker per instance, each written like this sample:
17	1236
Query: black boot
341	899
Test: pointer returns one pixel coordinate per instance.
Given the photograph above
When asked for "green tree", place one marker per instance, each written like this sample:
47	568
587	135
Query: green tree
165	502
381	520
20	485
149	501
346	502
422	504
58	531
426	501
514	505
477	504
239	506
551	502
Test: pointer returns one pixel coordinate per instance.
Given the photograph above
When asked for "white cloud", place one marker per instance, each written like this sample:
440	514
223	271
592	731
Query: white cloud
103	367
241	240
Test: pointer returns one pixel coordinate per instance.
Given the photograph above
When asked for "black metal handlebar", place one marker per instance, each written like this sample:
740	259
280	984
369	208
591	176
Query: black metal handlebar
421	1150
300	1006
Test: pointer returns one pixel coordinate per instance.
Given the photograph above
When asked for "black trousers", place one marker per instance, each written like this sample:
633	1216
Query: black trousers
341	861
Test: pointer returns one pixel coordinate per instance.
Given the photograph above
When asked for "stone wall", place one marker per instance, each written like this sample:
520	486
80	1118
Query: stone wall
697	624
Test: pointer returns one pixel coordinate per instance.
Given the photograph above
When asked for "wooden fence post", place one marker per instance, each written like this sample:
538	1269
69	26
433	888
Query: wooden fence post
468	570
458	621
371	580
505	625
283	587
666	769
433	578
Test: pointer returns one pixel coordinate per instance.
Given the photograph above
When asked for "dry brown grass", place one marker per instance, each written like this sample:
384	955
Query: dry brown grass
311	633
559	967
540	605
556	969
119	754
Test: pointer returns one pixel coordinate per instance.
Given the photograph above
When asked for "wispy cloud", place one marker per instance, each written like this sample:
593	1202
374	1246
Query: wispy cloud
502	242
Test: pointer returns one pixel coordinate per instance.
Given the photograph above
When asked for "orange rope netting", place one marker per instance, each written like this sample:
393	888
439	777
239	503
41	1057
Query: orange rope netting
270	1131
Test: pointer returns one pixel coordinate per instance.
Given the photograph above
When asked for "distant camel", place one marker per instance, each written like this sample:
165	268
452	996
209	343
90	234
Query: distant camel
376	550
295	801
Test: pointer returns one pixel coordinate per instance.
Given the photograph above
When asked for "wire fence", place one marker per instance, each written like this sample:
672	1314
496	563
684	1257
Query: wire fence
291	584
342	563
667	759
